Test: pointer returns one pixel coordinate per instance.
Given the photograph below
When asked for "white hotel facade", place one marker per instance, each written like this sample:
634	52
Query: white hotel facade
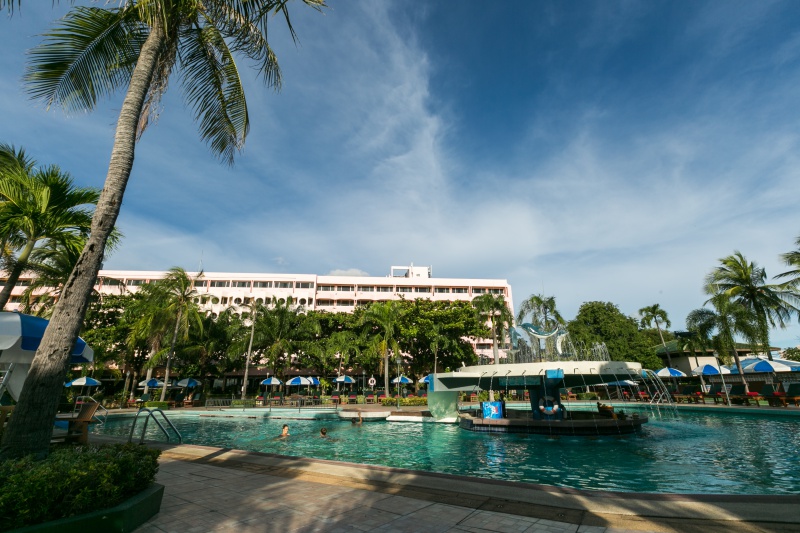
337	294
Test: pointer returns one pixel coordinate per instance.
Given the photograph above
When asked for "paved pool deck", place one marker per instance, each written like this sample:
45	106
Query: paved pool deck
225	490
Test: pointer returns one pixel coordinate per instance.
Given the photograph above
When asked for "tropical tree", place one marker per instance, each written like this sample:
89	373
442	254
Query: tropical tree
745	283
791	286
93	52
177	297
655	314
543	313
382	323
493	309
38	205
722	325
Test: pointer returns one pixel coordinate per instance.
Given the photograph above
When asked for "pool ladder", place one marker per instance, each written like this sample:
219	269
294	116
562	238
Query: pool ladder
151	414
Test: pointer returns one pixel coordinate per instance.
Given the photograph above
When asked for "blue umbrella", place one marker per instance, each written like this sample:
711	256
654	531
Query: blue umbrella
152	383
401	379
272	381
189	383
426	379
299	380
344	379
710	370
314	381
668	372
21	334
767	366
84	381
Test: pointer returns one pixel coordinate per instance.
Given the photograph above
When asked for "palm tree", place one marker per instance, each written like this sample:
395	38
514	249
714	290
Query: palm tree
543	313
345	344
745	283
92	53
178	299
382	320
652	314
728	319
38	205
493	309
792	285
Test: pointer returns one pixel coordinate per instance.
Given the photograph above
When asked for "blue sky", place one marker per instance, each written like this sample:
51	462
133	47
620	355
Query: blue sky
607	151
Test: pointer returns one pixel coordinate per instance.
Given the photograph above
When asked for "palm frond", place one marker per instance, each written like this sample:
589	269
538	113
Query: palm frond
88	55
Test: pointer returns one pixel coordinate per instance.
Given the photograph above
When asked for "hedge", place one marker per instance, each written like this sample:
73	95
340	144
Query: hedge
72	480
157	405
404	401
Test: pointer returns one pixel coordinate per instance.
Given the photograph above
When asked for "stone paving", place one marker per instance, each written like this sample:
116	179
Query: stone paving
202	497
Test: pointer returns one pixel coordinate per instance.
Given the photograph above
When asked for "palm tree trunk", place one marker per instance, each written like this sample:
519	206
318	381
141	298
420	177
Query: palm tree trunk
386	372
739	368
31	427
170	353
249	352
16	271
669	358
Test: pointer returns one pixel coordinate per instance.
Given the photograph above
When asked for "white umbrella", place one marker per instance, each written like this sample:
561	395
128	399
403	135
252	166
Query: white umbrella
189	383
401	379
152	383
272	381
344	379
84	381
710	370
669	372
767	366
299	380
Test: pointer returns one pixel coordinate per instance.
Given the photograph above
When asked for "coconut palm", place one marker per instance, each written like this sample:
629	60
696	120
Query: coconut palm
90	54
653	314
728	319
382	322
745	283
38	205
543	313
792	284
492	308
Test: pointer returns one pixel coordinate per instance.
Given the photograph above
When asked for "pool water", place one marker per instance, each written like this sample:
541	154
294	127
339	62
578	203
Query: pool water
718	453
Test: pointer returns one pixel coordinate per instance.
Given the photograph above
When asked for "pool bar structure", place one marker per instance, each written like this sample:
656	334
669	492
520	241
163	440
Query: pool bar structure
543	383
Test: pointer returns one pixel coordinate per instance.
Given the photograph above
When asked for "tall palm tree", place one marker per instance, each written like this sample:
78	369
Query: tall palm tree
179	301
653	314
92	53
792	285
38	205
382	321
745	283
543	313
493	309
728	319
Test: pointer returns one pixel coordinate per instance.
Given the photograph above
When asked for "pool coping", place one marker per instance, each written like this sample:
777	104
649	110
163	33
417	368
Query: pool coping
636	511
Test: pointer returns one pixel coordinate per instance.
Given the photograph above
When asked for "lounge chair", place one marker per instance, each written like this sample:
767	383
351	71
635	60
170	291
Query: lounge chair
792	395
335	398
369	397
193	400
276	399
714	393
381	395
139	402
473	396
78	425
689	394
352	398
772	394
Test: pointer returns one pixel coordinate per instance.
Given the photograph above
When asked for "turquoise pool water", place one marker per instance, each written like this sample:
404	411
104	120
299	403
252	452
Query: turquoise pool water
718	453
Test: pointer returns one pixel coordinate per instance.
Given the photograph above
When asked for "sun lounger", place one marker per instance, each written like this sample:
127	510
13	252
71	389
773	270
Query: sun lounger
738	395
689	394
335	398
714	393
352	398
369	398
78	425
792	395
772	394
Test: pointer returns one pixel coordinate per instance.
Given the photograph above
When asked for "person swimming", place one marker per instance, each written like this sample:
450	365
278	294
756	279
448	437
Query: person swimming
285	431
323	433
357	421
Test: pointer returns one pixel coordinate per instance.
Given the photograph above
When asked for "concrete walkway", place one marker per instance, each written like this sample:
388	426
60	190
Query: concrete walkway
213	489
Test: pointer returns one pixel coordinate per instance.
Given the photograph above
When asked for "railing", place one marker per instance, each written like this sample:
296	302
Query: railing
151	414
6	376
230	402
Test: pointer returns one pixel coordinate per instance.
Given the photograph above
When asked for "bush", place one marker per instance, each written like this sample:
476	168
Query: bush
72	480
587	395
157	405
404	401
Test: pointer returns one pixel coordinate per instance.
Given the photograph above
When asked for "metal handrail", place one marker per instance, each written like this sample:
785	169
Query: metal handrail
151	414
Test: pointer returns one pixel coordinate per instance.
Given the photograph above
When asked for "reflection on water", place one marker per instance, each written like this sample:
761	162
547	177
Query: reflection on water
697	453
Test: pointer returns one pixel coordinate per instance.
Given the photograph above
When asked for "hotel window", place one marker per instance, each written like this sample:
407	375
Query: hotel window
204	300
443	290
326	288
224	300
237	301
283	284
23	282
495	291
311	301
199	283
304	284
364	302
422	289
248	301
459	290
403	289
220	283
259	300
366	288
345	303
324	303
385	289
111	282
242	284
345	288
262	284
478	291
135	282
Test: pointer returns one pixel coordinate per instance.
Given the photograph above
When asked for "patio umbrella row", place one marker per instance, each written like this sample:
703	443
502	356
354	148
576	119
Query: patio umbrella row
749	366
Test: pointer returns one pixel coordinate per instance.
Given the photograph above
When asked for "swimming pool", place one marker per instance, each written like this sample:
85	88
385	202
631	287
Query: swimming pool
719	453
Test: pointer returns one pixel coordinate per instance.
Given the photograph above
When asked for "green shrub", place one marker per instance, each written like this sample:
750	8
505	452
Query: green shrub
72	480
587	395
157	405
404	401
